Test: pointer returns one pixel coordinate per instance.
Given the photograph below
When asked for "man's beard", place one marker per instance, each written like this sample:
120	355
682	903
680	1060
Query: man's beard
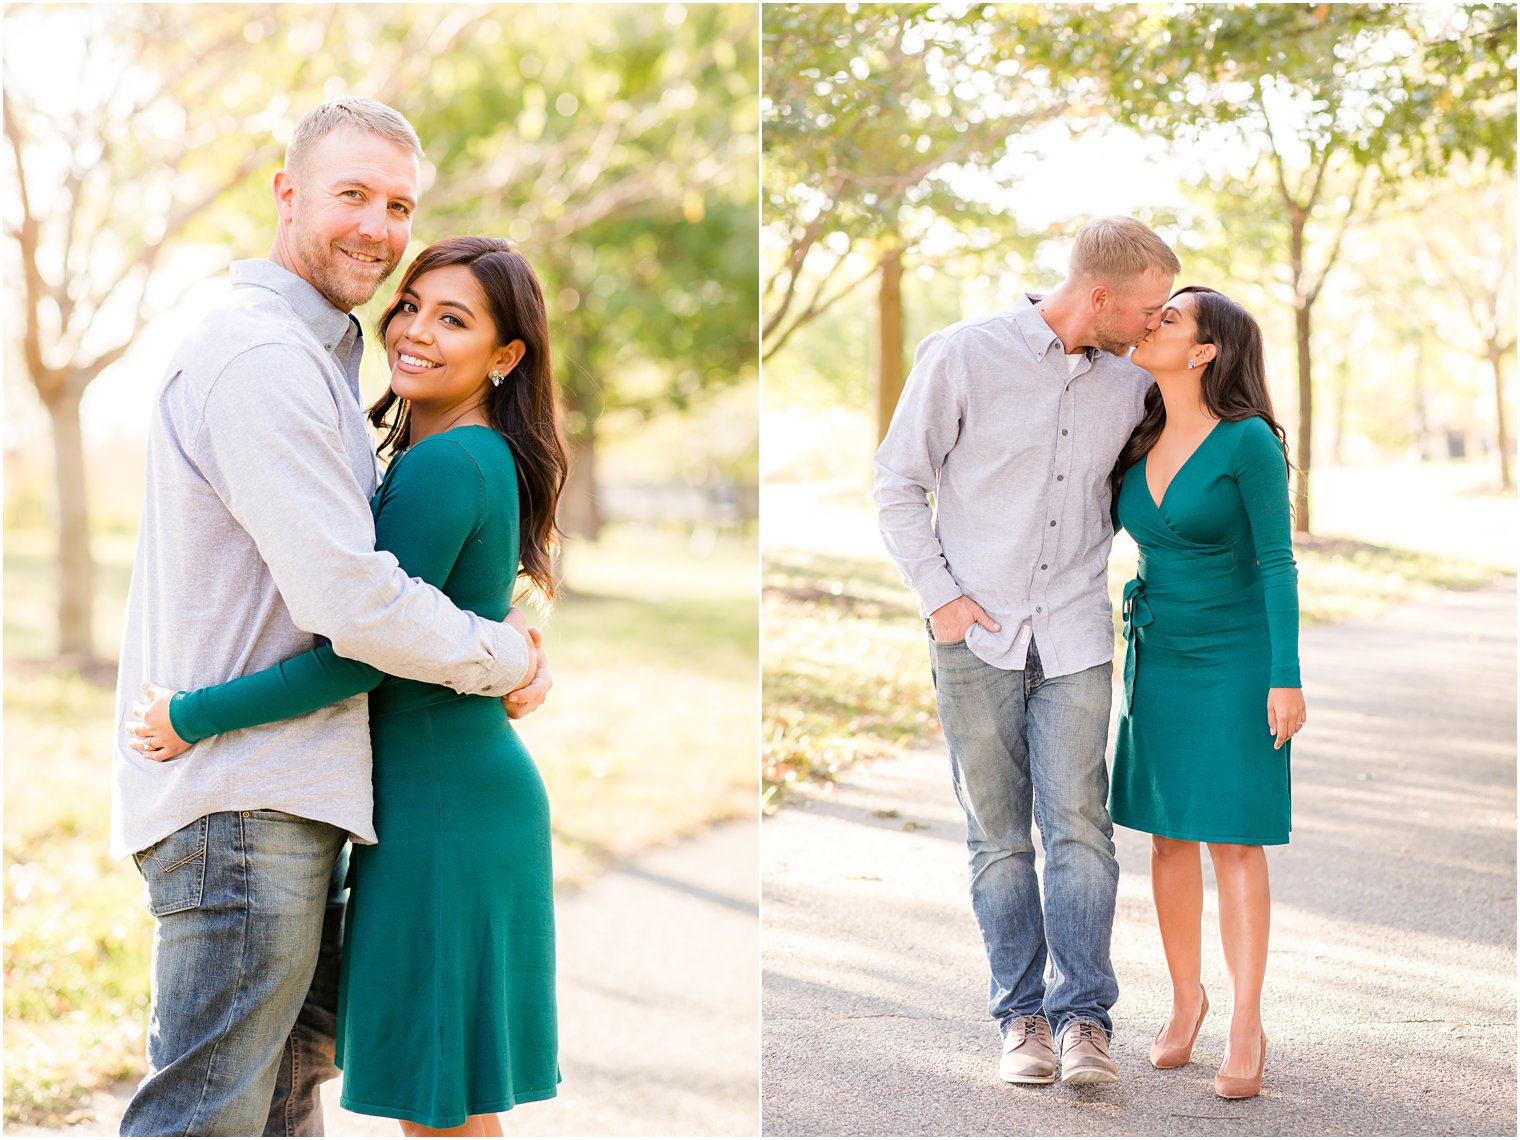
1105	338
336	276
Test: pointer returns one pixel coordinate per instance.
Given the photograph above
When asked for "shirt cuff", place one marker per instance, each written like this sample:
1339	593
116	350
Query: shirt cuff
939	590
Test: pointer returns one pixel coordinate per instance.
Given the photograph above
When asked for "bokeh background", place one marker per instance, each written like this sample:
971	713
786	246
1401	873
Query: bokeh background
618	144
1346	171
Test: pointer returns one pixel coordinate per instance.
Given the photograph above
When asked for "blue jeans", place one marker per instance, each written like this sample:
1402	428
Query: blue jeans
1022	746
241	1027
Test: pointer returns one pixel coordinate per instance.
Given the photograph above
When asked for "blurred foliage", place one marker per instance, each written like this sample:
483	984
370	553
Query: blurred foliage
870	110
623	160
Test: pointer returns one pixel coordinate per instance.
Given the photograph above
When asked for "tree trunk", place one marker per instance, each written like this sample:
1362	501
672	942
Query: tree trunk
1496	361
889	356
76	566
1305	422
579	512
1305	448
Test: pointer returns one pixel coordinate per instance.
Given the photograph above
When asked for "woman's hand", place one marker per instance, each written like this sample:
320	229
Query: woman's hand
1286	714
520	702
151	732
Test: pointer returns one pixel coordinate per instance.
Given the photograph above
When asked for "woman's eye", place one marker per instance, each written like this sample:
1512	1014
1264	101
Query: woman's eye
454	320
406	307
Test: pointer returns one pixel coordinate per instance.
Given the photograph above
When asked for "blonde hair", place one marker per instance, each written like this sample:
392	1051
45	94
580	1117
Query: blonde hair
1119	248
357	113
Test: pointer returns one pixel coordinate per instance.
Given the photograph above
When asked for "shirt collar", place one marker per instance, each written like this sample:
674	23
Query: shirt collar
332	326
1037	334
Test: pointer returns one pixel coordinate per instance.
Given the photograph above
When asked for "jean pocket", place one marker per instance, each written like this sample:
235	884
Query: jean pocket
174	869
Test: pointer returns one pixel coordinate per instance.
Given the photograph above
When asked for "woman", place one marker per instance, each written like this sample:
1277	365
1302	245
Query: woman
1211	683
446	1008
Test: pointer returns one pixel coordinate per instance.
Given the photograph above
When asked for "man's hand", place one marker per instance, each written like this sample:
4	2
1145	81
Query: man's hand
520	702
518	620
954	619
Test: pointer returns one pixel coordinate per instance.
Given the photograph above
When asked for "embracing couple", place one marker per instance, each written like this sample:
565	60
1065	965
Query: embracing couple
1022	440
314	656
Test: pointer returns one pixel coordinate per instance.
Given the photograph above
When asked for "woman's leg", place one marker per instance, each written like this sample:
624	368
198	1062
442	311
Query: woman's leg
1245	912
487	1124
1177	886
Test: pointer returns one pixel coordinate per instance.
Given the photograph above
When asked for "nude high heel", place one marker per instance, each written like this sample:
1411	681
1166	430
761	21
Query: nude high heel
1171	1057
1239	1088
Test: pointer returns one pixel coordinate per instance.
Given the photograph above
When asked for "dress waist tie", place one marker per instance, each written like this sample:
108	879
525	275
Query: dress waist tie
1136	613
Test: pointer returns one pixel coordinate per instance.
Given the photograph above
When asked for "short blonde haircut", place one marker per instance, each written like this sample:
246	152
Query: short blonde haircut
1119	248
355	112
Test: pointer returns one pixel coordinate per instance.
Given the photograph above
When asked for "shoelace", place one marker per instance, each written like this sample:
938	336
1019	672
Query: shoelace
1031	1028
1086	1030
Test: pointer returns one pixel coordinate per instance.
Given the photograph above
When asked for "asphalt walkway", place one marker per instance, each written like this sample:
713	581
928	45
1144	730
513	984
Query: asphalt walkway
1390	997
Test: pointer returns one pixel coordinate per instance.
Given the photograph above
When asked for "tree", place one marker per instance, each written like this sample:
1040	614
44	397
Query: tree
870	111
1465	244
1337	102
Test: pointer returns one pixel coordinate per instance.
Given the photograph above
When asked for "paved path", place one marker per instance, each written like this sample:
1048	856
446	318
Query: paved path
1390	1001
659	1003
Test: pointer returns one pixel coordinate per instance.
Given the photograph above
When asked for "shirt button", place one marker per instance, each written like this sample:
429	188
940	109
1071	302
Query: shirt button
1065	432
1039	609
1052	522
1043	566
1060	478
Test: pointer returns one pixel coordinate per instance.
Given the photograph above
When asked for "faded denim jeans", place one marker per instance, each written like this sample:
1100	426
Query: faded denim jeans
1025	747
246	945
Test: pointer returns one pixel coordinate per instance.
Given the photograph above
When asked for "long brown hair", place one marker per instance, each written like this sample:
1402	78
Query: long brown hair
522	408
1234	383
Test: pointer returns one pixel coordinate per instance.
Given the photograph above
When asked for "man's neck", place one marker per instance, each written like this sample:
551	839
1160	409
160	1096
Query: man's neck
1064	311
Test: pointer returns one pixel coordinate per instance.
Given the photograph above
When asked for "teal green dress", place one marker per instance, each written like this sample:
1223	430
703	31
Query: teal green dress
447	1003
1211	622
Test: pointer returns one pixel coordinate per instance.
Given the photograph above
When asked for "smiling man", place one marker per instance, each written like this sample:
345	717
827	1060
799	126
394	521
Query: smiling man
256	540
1012	424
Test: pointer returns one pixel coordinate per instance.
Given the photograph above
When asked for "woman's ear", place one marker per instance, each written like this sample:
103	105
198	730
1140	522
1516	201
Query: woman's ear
509	356
1206	353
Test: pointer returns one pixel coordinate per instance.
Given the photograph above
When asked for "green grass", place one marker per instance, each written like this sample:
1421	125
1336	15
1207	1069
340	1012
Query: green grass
649	734
846	673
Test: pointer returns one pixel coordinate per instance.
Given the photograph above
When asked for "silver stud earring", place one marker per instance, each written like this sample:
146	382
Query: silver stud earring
1192	364
497	376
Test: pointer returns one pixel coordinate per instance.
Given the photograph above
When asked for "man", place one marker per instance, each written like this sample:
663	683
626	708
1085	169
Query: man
256	539
1012	423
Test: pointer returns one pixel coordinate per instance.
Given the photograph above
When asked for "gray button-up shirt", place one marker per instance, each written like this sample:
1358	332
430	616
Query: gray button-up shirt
1016	449
256	538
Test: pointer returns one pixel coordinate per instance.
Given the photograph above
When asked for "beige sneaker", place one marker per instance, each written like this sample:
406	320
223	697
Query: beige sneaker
1028	1056
1084	1055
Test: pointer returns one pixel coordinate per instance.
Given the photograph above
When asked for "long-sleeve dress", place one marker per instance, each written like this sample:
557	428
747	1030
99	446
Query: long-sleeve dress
1212	624
447	1003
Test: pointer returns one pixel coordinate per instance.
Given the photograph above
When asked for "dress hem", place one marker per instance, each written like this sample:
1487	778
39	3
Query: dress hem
1251	841
453	1120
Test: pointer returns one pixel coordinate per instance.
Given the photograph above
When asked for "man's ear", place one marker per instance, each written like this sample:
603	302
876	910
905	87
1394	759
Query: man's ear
1098	297
284	193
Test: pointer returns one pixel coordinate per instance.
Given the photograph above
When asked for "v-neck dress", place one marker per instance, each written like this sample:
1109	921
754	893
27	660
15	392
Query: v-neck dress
1211	622
446	1006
